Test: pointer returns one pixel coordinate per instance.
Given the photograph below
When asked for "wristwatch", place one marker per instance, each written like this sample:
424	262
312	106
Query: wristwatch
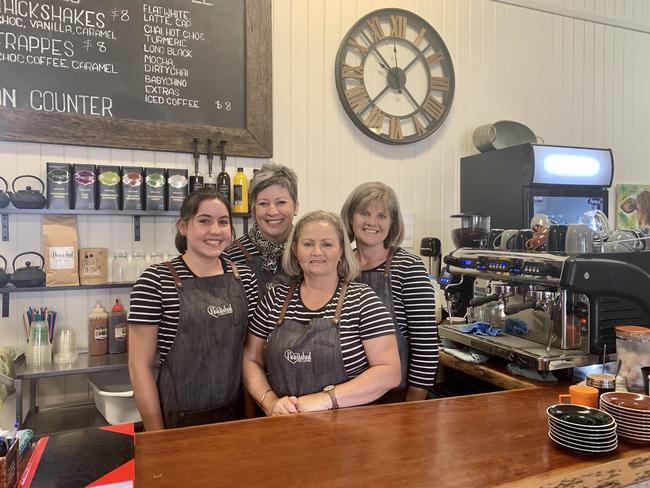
329	389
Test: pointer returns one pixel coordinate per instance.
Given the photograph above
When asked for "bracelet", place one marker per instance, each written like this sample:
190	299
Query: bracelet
264	396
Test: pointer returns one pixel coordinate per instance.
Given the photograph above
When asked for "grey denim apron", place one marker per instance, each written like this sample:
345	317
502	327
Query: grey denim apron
265	279
200	380
380	283
304	358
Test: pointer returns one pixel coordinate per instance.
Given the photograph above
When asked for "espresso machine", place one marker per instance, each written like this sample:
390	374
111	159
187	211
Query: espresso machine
556	310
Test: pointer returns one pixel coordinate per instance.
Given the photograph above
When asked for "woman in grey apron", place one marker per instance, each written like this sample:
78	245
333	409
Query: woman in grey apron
274	203
373	219
193	311
320	342
200	380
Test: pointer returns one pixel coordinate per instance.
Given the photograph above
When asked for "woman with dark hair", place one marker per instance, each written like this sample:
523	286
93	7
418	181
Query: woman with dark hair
372	218
274	203
323	341
193	311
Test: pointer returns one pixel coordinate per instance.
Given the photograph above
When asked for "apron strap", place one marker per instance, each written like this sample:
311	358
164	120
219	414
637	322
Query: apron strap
177	280
389	261
244	251
235	270
339	305
285	305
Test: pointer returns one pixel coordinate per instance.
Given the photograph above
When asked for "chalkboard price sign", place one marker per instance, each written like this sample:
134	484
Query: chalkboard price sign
149	74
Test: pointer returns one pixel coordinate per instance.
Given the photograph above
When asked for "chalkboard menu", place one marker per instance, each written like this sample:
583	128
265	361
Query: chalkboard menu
150	74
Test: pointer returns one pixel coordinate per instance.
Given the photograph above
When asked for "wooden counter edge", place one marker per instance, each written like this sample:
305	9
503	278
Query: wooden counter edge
633	469
486	373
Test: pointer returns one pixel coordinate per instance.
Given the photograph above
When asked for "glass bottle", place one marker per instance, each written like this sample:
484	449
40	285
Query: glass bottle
120	267
240	192
138	264
156	257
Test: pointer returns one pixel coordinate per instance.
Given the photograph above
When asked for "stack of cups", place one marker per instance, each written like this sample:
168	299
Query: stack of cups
39	349
65	347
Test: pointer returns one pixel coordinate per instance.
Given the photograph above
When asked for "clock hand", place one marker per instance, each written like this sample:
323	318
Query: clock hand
399	88
383	63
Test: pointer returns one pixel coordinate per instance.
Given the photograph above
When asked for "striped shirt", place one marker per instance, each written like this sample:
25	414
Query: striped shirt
233	252
363	317
415	311
154	299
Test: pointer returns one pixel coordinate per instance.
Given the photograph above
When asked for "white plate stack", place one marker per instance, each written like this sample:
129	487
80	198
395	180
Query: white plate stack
632	414
581	429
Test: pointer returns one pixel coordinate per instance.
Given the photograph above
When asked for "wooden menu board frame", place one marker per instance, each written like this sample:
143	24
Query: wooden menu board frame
254	140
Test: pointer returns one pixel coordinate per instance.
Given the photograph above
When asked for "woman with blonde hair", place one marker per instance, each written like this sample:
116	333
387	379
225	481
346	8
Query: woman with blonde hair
323	341
373	220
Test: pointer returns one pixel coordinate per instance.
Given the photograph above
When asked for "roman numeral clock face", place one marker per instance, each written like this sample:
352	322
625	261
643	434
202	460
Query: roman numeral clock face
394	76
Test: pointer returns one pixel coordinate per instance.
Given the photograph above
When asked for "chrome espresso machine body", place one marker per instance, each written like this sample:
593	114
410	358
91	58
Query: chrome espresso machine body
561	309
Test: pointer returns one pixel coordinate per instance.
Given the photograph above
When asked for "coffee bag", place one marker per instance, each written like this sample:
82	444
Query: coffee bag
60	250
59	184
93	265
108	196
84	186
132	188
154	188
176	188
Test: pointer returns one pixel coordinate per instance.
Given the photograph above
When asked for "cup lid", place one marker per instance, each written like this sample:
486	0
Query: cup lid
635	332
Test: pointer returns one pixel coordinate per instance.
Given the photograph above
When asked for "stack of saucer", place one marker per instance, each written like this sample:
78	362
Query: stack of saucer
582	429
632	414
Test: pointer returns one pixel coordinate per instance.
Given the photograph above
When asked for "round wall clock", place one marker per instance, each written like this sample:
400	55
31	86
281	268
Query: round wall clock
394	76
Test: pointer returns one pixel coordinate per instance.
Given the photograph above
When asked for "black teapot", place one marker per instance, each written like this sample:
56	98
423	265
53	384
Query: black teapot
4	197
28	276
4	276
27	198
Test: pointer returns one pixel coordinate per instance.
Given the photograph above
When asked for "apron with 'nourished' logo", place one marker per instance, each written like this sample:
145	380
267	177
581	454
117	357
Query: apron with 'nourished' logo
304	358
200	380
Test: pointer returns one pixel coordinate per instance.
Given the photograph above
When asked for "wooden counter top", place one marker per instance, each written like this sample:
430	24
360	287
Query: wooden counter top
472	441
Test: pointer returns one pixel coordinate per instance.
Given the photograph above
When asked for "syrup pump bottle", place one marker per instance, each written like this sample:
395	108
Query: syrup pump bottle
117	329
210	181
196	181
223	179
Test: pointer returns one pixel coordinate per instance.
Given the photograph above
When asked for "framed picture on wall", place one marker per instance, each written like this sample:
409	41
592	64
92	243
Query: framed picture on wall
633	207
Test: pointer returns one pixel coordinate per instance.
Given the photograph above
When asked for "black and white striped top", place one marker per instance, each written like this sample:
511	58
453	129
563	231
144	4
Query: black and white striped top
154	298
363	317
233	252
415	310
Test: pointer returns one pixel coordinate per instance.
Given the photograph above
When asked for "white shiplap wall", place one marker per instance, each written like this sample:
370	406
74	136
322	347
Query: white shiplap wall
573	81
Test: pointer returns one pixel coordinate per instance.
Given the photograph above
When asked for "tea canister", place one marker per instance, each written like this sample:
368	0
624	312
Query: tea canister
604	382
633	351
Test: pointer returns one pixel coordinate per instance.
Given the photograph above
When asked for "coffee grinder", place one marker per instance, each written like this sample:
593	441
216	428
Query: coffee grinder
470	229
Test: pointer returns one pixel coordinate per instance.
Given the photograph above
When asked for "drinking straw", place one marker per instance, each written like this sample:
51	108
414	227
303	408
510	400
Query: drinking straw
26	324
